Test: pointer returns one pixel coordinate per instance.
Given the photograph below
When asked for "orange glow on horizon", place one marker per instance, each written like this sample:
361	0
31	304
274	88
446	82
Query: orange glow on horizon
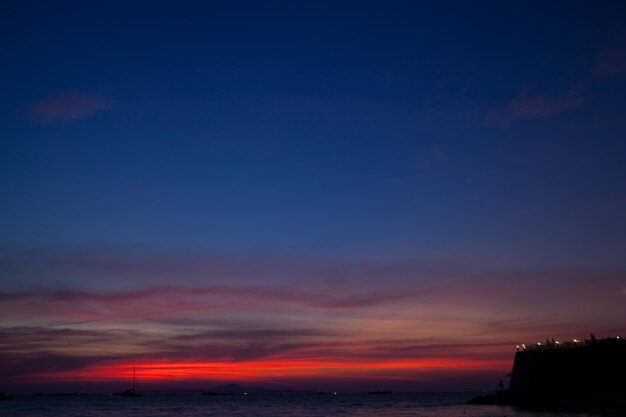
155	371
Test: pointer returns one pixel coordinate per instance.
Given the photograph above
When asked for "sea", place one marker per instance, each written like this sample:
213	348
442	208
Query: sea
300	405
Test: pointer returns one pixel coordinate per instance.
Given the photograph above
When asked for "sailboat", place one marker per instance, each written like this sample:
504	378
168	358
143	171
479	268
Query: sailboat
130	392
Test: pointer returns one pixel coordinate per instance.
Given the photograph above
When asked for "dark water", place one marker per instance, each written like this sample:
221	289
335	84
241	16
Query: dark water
305	405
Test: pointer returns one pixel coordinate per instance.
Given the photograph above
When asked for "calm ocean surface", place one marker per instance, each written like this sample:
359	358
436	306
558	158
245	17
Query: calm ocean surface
426	405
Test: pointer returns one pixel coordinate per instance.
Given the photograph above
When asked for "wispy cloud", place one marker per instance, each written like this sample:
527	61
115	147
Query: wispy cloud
69	106
433	156
89	305
529	107
611	62
104	272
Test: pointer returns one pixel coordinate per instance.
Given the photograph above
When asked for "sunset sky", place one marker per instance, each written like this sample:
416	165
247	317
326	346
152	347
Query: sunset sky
306	194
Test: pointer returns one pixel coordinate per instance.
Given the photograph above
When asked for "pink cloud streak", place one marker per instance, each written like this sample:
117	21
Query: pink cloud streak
68	106
529	107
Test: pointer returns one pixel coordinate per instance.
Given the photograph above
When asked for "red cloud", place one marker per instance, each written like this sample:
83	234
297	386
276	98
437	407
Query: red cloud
69	106
200	360
352	321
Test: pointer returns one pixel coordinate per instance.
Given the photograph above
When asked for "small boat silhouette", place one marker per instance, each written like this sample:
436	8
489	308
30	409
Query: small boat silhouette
129	392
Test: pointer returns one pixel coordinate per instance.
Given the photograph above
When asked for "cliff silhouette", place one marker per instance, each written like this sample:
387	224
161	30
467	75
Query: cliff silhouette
581	375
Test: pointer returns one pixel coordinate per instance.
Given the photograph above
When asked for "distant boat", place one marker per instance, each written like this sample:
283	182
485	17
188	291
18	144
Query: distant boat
130	392
5	397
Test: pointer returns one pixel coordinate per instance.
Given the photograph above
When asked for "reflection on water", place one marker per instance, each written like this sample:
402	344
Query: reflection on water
305	405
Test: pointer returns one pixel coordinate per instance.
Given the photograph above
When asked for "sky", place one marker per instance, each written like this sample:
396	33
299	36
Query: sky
306	194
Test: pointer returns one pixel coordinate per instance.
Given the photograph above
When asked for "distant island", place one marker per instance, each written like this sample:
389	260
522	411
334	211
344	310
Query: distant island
236	389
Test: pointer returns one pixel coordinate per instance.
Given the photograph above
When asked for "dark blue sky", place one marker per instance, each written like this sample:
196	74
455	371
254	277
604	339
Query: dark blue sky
366	195
488	133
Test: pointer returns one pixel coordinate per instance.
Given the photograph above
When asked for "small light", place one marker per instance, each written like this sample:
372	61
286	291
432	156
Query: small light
335	393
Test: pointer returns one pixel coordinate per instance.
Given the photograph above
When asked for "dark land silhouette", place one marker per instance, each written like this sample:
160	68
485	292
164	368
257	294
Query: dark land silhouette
585	375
